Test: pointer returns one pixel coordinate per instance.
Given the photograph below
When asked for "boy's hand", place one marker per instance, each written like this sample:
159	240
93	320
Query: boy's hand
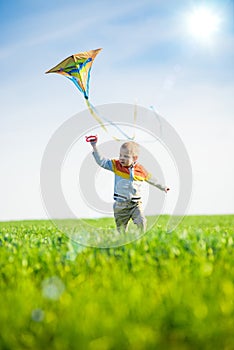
93	143
92	139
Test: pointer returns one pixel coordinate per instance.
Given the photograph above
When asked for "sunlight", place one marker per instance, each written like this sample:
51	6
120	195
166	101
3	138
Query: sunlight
203	23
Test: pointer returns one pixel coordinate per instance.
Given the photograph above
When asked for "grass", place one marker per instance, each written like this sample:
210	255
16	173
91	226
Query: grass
164	291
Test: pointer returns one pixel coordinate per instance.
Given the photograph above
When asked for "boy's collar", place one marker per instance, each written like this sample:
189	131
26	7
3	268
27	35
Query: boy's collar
133	164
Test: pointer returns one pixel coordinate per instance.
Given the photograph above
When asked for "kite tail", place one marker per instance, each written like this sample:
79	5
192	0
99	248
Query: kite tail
134	120
94	112
96	117
159	120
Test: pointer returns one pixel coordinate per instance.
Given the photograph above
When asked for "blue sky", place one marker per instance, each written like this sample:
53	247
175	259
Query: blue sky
147	54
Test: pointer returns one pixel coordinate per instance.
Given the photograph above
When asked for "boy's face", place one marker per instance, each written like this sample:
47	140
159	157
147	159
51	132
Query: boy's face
126	158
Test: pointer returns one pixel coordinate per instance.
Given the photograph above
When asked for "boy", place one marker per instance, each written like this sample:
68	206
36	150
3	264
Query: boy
127	189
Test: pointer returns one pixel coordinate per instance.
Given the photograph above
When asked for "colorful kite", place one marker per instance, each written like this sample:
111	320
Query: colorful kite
77	68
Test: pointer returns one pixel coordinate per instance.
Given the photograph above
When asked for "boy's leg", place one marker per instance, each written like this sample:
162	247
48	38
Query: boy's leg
122	215
138	216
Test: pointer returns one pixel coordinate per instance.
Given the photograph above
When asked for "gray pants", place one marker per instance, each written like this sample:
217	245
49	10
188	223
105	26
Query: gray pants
126	210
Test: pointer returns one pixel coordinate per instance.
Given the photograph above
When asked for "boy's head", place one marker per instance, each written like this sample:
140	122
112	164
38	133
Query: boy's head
129	152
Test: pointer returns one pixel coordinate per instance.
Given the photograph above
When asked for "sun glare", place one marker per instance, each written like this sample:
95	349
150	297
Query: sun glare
203	23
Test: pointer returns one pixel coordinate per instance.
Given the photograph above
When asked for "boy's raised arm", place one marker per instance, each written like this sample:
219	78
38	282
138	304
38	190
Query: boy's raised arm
101	161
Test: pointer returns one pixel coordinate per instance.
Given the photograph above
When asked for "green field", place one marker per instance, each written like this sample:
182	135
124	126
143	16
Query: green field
164	291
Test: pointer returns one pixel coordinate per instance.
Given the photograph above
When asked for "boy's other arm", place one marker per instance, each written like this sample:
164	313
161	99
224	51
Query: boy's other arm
153	181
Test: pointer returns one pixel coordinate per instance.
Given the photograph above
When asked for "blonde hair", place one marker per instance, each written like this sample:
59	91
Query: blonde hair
132	147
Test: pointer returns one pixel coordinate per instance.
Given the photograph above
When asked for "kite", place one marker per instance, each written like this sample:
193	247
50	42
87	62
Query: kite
77	68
